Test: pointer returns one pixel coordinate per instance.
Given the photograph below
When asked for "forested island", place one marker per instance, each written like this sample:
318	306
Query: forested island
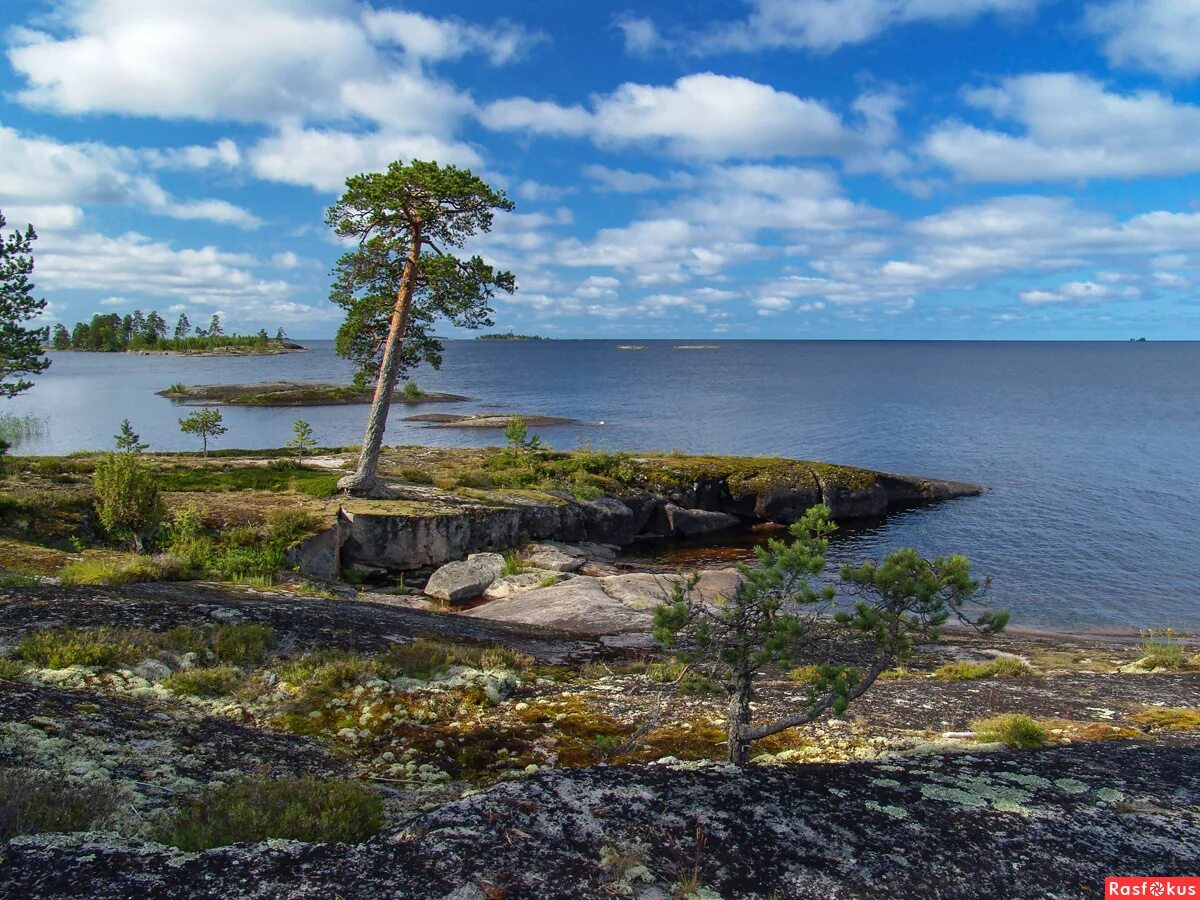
509	336
149	333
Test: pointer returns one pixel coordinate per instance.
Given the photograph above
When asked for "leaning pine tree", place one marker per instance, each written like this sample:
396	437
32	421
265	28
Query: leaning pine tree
402	276
21	351
782	617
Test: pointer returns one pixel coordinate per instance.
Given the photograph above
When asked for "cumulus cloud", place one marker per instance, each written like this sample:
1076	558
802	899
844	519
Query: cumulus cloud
701	116
38	173
1073	128
826	25
1160	35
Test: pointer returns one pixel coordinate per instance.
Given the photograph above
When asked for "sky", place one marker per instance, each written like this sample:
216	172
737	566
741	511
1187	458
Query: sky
810	169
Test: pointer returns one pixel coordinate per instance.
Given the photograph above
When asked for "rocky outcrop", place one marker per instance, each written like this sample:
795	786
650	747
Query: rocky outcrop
404	536
1049	823
465	580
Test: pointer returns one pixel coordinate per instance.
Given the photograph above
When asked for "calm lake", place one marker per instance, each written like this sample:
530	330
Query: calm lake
1090	450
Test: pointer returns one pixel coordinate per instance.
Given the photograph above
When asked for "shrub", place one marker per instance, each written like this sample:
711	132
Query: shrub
424	658
1162	649
58	648
241	536
127	499
242	645
239	563
34	802
184	639
1017	731
1001	667
411	391
11	669
214	682
298	809
286	526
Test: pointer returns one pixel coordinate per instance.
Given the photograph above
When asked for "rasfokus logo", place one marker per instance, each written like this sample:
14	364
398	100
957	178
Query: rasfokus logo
1150	886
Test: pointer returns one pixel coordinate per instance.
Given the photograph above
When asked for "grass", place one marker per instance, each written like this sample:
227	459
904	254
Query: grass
9	579
1162	649
513	565
298	809
217	681
105	648
11	669
1001	667
1161	718
425	658
107	568
14	429
1015	730
34	802
277	475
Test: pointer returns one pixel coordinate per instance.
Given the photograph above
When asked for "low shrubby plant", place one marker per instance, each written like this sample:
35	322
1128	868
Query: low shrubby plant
425	658
105	648
127	502
211	682
98	568
242	645
11	669
1162	649
298	809
1017	731
35	802
1001	667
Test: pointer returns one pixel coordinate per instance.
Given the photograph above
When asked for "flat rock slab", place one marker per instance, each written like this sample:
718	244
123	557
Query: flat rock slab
300	623
488	420
614	604
1034	824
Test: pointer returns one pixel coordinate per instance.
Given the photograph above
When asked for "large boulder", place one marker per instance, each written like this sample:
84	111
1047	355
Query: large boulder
609	521
689	522
466	579
554	557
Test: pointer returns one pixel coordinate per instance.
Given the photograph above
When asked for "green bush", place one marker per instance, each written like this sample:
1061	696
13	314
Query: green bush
242	645
1162	649
11	669
1017	731
286	526
1002	667
298	809
215	682
127	499
35	802
185	639
425	658
106	648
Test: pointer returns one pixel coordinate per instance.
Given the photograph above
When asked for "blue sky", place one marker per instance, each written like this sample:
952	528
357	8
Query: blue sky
985	169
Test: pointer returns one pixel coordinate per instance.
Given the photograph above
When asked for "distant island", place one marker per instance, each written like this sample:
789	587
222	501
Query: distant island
138	333
295	393
509	336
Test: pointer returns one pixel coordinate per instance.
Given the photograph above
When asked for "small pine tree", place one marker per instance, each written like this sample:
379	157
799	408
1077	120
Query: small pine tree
302	441
128	440
516	432
61	338
214	326
203	422
20	347
127	499
182	327
781	617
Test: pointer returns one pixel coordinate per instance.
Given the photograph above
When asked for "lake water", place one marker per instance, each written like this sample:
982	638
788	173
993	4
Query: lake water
1090	450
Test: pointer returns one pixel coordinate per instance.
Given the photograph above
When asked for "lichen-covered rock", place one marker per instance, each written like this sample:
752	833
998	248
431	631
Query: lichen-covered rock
467	579
1046	823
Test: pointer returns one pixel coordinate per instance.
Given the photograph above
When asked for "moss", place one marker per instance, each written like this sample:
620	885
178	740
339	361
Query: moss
106	648
1003	667
27	557
298	809
33	803
215	682
1017	731
1161	718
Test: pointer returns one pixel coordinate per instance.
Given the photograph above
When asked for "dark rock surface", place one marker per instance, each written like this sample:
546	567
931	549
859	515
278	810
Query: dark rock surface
1035	824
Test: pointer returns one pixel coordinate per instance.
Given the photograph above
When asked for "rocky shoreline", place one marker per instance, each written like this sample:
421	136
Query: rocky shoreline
291	393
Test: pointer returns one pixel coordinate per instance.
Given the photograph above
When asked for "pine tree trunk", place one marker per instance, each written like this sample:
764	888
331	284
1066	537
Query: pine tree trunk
739	719
365	482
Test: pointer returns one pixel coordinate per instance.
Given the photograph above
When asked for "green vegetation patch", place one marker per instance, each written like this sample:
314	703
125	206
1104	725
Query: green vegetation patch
245	646
111	568
37	802
277	475
297	809
1002	667
1162	649
1017	731
217	681
1162	718
105	648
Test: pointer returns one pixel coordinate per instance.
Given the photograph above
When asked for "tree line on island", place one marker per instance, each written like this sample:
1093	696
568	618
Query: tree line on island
398	279
114	333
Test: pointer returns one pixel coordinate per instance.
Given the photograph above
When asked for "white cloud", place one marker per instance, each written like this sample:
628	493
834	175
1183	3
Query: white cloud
323	159
1074	128
424	37
41	172
700	116
622	181
771	306
223	154
641	35
1160	35
1079	292
825	25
